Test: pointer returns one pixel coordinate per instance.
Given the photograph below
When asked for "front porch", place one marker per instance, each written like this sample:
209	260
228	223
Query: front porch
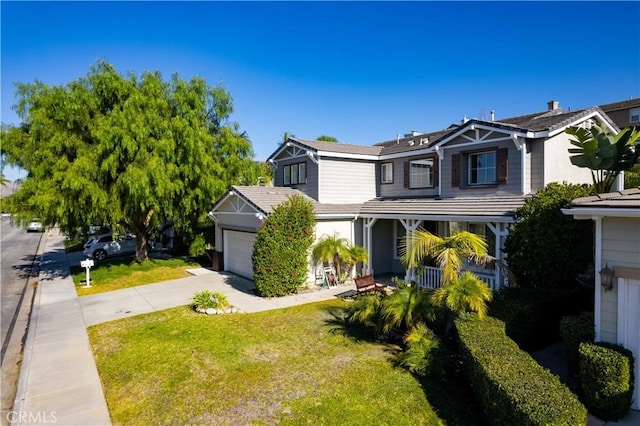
430	277
382	238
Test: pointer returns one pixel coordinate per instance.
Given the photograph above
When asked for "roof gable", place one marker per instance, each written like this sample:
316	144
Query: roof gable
294	148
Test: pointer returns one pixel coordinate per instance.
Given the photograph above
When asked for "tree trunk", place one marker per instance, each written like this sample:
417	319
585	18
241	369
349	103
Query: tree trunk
142	247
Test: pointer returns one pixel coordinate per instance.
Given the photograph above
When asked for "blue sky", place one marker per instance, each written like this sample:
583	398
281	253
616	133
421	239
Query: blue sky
359	71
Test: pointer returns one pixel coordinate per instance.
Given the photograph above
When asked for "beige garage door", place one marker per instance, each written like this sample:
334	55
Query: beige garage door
238	248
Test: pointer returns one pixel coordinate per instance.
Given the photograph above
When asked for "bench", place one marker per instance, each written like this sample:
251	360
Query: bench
367	284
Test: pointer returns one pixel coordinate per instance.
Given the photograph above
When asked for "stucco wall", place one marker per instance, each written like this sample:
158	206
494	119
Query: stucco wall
557	166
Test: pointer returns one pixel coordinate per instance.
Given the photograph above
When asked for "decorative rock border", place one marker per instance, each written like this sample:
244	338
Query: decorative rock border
211	311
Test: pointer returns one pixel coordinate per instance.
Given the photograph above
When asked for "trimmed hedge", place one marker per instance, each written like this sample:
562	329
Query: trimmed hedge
532	316
606	375
576	329
512	387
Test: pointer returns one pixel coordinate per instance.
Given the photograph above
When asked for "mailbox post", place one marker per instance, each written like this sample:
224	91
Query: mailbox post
87	264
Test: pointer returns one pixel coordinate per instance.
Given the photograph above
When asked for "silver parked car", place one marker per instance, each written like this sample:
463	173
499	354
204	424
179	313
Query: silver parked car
102	246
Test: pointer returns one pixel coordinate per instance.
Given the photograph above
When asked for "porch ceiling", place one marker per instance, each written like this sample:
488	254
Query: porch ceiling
456	207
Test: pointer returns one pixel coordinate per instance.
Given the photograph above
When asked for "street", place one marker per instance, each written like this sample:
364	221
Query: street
16	265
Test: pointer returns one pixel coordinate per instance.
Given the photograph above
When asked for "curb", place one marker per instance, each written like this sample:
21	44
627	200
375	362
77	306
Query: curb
27	347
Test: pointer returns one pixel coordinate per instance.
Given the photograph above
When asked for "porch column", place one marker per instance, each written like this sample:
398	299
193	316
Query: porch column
367	240
410	225
499	231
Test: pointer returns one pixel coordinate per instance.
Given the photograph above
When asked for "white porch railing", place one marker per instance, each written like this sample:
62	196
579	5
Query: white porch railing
430	277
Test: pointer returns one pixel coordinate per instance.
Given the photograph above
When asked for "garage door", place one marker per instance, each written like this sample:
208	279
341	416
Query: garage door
629	326
238	248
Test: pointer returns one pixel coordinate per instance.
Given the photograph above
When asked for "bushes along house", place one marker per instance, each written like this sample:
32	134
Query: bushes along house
512	387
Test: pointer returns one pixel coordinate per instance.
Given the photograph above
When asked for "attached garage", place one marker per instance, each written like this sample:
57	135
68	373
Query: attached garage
617	247
238	248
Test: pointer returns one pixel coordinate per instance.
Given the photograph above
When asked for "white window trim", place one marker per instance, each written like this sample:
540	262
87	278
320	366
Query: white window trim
302	173
634	113
294	174
495	168
397	238
429	183
383	174
286	179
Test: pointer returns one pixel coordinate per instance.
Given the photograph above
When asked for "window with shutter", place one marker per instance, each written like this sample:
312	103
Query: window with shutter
455	170
502	166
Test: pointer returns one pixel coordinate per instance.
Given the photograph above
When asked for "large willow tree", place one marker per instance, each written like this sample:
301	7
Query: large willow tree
126	150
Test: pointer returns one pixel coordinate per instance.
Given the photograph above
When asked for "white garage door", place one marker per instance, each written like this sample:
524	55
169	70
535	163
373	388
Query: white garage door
238	248
629	326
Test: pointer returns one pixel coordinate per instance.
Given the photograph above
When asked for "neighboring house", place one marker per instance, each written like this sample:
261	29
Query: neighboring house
470	176
624	113
617	247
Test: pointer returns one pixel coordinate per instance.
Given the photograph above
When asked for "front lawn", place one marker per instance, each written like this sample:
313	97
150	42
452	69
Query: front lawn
119	273
290	366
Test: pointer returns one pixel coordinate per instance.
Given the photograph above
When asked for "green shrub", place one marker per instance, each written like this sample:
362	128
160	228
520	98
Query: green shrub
547	248
606	377
423	355
576	329
207	299
532	316
512	387
281	249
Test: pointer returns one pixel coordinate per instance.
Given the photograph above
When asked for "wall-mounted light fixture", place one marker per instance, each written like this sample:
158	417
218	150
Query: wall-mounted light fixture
606	278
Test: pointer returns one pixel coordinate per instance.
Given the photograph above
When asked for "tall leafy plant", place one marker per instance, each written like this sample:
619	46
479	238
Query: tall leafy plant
606	154
546	248
282	244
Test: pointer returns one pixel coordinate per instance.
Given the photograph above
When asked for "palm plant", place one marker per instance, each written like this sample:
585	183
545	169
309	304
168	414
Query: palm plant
448	252
355	254
467	293
366	310
331	249
421	356
405	307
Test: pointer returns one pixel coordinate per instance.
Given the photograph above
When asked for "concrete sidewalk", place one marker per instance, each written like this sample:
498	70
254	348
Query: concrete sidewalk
59	381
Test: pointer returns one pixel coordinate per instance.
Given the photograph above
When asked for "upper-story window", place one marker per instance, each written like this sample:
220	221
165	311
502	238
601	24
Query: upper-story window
421	173
634	115
386	172
472	169
482	168
294	174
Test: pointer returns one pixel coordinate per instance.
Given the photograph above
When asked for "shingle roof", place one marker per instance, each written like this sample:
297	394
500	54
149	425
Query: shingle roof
629	198
342	148
614	106
485	206
265	198
537	122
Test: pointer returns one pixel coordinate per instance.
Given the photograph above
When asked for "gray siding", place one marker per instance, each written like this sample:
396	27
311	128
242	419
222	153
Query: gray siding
620	248
346	181
511	188
397	189
537	164
382	253
311	187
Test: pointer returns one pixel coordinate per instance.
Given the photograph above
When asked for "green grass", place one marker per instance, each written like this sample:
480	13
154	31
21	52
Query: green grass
73	244
292	366
123	272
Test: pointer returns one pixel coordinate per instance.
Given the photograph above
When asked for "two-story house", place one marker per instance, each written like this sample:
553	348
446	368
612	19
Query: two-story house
471	176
